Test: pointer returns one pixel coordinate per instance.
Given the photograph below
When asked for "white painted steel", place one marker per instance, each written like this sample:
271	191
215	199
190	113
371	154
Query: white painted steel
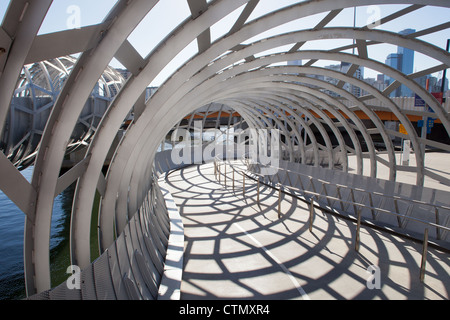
228	71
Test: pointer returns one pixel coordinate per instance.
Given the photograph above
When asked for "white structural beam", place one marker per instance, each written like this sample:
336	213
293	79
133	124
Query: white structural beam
58	44
233	71
65	114
179	77
119	109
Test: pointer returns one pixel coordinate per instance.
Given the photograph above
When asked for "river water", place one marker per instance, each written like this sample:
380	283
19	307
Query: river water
12	221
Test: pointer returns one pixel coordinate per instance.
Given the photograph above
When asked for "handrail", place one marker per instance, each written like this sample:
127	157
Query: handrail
393	197
359	222
354	203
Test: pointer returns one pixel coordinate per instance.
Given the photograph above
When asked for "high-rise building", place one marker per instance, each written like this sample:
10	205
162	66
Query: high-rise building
359	74
407	66
295	63
394	60
403	61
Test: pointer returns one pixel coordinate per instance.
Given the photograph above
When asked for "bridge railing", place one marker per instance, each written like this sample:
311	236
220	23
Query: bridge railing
403	212
387	209
338	205
144	261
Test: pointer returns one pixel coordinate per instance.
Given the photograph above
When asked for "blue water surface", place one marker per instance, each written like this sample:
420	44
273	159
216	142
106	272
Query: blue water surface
12	222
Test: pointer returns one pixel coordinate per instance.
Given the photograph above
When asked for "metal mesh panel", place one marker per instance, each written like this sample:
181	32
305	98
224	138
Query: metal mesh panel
136	245
162	212
138	280
143	248
102	276
156	227
164	217
151	247
116	275
88	284
122	255
157	260
40	296
62	292
132	267
146	252
155	235
145	272
130	286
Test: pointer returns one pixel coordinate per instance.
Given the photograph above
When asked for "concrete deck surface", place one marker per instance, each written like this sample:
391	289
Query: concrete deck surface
236	248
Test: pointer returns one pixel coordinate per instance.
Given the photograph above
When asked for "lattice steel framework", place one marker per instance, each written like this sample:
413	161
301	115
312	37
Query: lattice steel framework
37	89
232	70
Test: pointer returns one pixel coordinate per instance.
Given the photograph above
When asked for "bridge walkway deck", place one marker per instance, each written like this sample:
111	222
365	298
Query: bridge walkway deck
237	248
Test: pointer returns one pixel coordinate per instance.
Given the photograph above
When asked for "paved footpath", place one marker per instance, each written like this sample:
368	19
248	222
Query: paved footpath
236	248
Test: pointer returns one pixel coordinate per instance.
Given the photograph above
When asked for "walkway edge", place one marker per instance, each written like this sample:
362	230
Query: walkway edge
170	287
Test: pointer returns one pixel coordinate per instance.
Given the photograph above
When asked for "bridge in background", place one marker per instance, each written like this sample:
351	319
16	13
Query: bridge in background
338	154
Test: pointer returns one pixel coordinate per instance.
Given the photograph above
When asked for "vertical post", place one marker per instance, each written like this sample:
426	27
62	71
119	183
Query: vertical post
257	191
225	176
423	133
215	168
353	200
279	202
340	197
233	179
311	213
324	191
399	221
371	206
218	169
243	185
438	231
358	231
444	75
424	256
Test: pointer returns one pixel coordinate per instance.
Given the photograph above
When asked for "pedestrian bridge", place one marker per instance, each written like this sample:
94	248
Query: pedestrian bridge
245	242
226	233
341	200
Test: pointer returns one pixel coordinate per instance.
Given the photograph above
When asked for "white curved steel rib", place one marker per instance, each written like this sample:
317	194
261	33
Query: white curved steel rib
215	74
65	112
120	107
178	74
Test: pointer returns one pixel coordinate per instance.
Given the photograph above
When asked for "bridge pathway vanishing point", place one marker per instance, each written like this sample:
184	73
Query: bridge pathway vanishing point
236	248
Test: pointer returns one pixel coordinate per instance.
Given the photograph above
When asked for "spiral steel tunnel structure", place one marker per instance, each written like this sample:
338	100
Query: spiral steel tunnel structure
37	89
243	73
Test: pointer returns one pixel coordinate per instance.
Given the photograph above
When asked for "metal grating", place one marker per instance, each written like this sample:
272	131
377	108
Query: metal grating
102	276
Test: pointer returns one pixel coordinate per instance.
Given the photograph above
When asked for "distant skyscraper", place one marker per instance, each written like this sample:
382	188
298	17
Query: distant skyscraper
295	63
394	60
407	66
403	61
359	74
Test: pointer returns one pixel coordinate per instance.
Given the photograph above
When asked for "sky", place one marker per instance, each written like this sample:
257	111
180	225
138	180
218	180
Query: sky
167	14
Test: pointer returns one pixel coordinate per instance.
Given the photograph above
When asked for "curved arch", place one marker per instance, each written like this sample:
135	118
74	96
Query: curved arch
211	75
437	3
83	200
202	54
54	141
313	95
